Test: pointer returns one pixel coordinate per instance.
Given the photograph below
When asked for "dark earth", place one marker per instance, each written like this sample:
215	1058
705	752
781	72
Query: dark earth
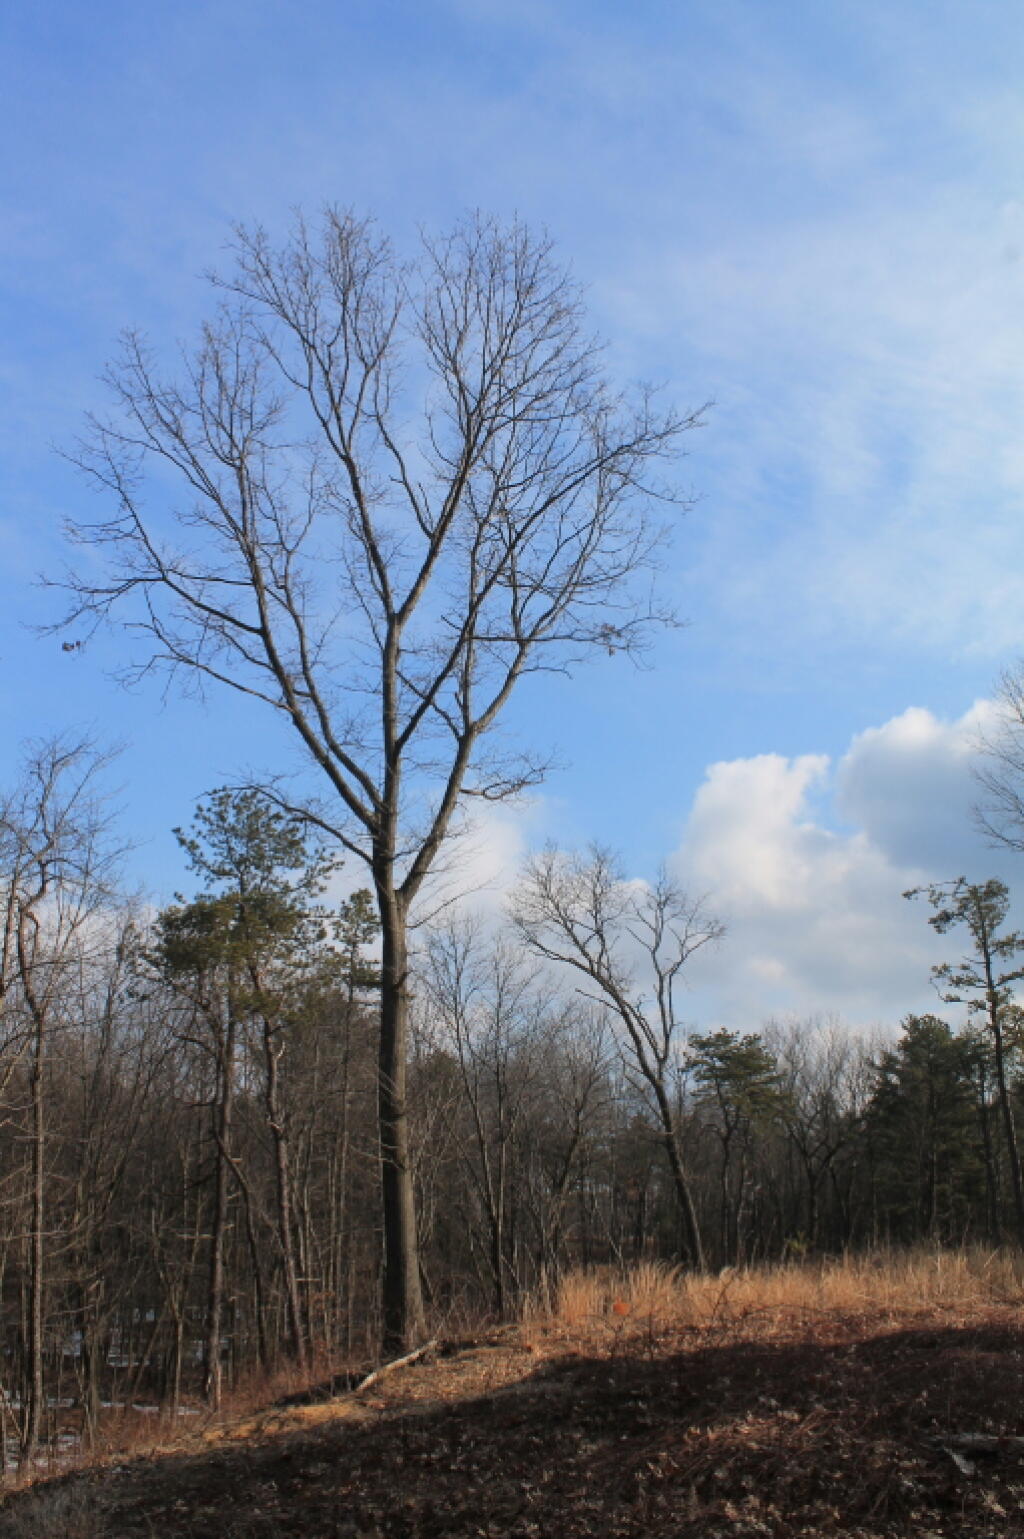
848	1425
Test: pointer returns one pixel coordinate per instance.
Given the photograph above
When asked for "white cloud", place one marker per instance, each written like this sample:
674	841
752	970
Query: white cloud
748	843
909	786
807	860
866	362
817	921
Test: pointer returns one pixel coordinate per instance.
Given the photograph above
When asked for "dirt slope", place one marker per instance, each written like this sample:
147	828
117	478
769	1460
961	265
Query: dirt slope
841	1425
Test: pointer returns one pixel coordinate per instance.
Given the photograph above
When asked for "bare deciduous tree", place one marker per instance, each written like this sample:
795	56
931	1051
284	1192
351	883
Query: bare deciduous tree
500	1027
56	866
819	1064
583	915
382	494
1000	771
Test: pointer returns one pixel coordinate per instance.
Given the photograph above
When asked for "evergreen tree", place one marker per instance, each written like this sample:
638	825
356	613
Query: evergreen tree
921	1127
739	1082
983	981
243	950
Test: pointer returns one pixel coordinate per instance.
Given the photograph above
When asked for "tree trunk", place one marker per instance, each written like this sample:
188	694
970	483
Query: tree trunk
684	1196
495	1225
282	1172
405	1323
995	1234
177	1359
212	1371
34	1410
259	1308
1009	1126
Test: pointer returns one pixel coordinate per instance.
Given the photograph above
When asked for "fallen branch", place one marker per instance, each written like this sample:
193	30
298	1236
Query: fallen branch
984	1442
958	1445
397	1362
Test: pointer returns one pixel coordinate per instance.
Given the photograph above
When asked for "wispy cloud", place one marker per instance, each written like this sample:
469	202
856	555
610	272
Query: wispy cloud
814	216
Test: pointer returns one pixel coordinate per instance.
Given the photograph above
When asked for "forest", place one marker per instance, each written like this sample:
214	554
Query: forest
322	1106
190	1118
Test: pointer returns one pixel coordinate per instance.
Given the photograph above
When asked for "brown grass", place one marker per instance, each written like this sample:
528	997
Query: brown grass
883	1285
126	1432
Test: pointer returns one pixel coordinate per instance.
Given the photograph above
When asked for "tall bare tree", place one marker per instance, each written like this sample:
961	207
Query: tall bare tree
381	495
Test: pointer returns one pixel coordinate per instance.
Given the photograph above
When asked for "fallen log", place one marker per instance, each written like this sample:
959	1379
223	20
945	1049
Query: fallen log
396	1362
983	1443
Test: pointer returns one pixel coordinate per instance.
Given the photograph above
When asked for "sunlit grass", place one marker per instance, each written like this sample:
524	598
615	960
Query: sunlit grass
654	1294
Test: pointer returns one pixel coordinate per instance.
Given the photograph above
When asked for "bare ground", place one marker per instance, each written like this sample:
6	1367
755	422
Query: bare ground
780	1422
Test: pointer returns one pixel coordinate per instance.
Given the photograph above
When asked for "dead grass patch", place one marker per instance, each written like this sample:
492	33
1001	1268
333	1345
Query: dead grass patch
883	1285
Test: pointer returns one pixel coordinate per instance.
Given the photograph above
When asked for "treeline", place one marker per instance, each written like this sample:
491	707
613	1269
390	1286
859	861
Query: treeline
189	1110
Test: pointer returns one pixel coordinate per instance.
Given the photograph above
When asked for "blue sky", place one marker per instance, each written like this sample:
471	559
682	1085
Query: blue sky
812	214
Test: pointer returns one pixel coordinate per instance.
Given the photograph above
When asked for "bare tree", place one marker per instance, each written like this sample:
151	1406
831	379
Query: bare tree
382	495
499	1026
56	866
584	915
818	1063
570	1121
1000	772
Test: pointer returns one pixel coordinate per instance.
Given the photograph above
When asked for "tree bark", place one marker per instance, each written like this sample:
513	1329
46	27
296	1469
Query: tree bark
36	1402
282	1173
223	1110
681	1181
1009	1125
405	1323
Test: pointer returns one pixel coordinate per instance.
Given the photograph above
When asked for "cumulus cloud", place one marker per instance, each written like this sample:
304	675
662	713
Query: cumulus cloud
749	841
808	859
909	786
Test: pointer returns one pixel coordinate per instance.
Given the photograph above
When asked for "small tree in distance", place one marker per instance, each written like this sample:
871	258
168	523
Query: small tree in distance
239	951
983	981
739	1082
582	915
379	495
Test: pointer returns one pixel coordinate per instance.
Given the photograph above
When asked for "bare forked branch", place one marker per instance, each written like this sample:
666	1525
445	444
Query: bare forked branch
278	524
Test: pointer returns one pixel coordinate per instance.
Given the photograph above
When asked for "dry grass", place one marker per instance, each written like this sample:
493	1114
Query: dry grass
884	1285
